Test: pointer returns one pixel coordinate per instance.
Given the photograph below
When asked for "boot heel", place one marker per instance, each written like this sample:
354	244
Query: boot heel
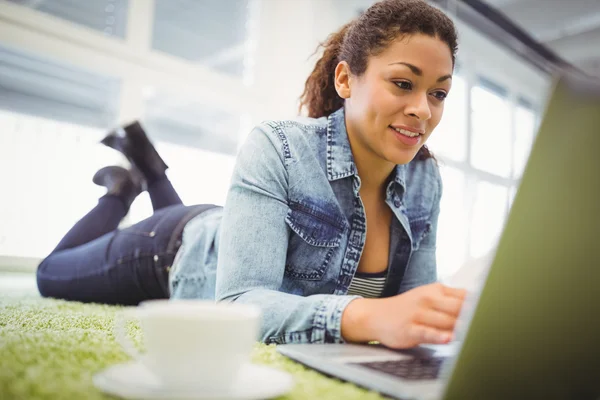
133	143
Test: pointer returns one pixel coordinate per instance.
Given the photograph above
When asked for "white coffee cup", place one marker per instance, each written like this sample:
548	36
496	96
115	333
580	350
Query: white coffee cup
192	343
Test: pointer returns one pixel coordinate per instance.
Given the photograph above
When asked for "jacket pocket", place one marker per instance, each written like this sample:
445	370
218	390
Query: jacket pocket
316	237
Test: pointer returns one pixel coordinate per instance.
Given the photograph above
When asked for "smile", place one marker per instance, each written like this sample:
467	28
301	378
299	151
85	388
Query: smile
407	137
406	132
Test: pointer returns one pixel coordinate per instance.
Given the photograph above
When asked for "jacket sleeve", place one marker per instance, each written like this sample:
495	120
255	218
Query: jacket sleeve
253	246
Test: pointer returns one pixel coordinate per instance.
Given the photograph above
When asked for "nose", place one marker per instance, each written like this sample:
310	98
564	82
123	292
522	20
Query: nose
418	107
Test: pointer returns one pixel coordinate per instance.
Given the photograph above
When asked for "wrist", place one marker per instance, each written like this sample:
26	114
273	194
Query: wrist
356	326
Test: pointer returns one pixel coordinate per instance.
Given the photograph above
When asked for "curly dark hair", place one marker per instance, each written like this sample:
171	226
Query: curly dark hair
369	35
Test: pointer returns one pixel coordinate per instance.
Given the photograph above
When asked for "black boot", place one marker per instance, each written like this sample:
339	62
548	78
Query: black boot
132	141
119	182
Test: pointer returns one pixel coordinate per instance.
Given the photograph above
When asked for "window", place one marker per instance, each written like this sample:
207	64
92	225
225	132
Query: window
449	139
525	126
47	88
487	219
53	113
481	164
452	230
208	32
52	116
106	16
44	194
491	125
183	120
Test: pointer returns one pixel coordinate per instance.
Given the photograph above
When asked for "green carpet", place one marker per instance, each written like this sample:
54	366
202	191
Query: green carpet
50	349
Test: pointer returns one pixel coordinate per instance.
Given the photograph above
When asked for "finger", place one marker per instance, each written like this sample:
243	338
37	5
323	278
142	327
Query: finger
426	334
453	292
448	305
436	319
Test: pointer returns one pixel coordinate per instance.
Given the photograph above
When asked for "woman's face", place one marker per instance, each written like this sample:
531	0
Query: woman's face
392	108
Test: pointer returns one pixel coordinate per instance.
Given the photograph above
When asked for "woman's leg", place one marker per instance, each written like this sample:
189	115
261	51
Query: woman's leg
163	194
133	143
103	218
122	189
121	267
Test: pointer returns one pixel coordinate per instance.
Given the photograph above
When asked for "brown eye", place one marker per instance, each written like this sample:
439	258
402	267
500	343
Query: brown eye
440	95
404	85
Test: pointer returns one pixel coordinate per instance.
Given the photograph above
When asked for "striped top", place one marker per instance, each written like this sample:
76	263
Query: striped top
367	284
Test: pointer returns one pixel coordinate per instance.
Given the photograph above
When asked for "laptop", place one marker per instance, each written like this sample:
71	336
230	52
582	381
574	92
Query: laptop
532	331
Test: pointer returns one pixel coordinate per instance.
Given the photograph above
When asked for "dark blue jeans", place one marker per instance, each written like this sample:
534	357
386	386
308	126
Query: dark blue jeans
97	262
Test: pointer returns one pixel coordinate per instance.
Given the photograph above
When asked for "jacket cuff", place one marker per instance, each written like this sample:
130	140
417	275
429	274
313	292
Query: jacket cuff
327	323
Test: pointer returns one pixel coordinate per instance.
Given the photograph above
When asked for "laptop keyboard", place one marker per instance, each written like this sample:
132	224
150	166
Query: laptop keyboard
413	369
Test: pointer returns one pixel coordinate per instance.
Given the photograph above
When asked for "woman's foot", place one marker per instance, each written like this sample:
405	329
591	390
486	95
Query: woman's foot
119	182
132	142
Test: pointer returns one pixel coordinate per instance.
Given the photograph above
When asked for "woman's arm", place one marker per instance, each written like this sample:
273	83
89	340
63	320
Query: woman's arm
422	313
253	246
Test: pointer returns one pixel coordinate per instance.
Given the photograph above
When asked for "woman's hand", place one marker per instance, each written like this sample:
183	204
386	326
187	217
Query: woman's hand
426	314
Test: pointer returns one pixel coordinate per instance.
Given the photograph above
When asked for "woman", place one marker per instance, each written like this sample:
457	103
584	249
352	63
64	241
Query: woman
330	221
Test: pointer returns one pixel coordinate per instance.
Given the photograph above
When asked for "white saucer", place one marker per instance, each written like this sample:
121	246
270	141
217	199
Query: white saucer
132	380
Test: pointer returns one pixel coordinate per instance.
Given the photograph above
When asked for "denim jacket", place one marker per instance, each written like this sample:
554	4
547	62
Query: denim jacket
291	234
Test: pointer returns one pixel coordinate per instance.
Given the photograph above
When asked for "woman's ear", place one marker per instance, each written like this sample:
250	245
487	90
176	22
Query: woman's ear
342	80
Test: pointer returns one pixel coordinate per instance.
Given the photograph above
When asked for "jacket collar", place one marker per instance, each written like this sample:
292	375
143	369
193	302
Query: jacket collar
340	161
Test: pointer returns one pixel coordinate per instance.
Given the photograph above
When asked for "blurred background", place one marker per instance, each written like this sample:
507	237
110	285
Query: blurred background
200	73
